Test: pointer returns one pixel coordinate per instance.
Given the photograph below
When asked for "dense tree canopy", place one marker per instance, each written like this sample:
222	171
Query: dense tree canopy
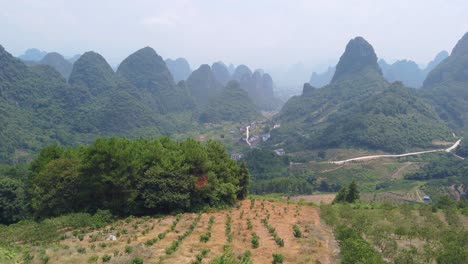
135	177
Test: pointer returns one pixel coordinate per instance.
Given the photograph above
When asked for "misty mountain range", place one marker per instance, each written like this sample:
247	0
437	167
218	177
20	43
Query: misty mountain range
48	102
406	71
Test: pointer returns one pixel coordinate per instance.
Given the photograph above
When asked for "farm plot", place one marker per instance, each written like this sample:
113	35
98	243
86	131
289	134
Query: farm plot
202	238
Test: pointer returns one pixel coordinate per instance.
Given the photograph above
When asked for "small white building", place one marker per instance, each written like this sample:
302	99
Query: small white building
280	152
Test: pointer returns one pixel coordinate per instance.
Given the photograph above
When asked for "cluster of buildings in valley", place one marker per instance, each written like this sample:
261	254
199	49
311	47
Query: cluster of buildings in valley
254	140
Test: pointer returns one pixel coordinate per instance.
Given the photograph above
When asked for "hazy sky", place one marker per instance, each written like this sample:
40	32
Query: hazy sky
262	34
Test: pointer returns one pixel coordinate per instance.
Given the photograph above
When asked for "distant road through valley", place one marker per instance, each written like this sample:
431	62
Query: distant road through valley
450	149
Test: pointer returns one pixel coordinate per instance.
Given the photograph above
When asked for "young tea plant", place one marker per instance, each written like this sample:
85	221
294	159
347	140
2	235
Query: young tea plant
249	224
296	231
200	256
279	241
255	240
277	258
176	243
205	237
228	229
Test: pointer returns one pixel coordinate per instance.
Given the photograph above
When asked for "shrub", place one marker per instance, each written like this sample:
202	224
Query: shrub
44	259
228	229
93	259
279	241
81	250
255	241
151	242
128	249
277	258
205	237
296	231
249	224
136	260
106	258
199	257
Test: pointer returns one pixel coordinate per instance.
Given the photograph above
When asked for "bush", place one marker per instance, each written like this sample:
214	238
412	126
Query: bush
249	224
93	259
279	241
106	258
136	260
81	250
296	231
277	258
128	249
255	241
205	237
200	256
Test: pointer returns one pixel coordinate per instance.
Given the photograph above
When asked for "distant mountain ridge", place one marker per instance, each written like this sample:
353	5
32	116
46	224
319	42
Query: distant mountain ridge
406	71
179	68
446	86
358	109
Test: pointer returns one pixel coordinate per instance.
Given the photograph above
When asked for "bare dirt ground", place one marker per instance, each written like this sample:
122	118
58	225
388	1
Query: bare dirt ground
317	244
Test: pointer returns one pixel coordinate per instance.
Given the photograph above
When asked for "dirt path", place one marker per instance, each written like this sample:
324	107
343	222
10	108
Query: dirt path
399	171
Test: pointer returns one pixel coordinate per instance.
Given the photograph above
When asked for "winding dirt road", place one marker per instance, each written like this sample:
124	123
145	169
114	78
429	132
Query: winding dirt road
450	149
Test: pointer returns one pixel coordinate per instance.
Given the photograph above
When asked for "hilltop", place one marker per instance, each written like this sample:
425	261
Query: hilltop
359	109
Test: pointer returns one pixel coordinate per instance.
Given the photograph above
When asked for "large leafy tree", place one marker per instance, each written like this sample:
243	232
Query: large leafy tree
13	201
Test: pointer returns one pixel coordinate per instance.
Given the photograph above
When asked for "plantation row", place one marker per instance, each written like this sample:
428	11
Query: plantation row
216	237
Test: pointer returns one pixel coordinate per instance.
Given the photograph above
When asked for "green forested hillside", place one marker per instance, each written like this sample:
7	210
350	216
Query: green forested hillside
231	104
446	86
56	61
39	107
203	85
358	109
147	71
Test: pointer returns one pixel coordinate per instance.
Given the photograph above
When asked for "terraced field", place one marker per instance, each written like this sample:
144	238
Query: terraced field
203	238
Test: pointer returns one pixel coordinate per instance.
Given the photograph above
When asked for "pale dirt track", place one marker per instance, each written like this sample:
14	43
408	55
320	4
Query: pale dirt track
365	158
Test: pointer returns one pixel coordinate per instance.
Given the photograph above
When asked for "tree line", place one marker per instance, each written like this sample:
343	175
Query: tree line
143	176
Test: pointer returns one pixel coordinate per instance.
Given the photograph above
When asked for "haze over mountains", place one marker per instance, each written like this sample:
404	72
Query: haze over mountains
446	86
359	108
54	101
406	71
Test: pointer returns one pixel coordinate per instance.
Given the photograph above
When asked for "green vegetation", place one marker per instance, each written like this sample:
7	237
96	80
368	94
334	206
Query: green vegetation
176	243
359	109
125	177
415	234
349	195
200	256
445	87
228	228
205	237
271	174
232	104
296	231
277	258
228	257
255	240
278	240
